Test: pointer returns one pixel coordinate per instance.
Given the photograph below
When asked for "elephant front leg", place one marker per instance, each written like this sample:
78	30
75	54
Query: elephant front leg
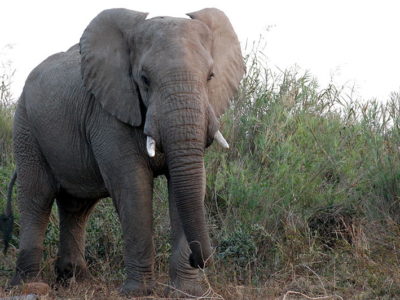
134	207
184	278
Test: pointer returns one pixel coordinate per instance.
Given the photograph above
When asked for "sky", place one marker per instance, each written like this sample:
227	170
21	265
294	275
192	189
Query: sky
348	42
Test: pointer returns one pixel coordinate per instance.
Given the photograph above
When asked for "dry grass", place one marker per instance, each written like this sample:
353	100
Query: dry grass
366	268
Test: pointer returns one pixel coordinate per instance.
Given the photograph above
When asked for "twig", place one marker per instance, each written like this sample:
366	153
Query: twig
209	294
319	278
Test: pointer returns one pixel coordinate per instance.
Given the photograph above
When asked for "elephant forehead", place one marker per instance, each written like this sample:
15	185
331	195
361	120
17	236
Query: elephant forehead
172	29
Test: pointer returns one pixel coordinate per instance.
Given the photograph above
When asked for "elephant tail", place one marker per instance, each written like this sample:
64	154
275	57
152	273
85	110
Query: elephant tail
7	219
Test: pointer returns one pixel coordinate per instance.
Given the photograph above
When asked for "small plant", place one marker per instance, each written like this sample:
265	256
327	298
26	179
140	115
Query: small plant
238	248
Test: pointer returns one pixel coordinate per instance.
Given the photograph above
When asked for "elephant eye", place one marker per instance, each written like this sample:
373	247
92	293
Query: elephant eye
145	80
210	76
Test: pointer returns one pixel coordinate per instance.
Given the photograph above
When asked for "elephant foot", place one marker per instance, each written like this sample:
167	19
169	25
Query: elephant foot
135	288
67	270
20	278
28	266
186	289
16	280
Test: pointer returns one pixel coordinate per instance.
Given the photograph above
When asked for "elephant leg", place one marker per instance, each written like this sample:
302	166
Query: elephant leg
36	191
184	278
134	208
74	214
129	181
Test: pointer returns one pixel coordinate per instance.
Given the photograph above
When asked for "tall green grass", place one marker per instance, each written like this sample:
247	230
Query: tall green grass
7	108
296	147
307	197
6	113
299	152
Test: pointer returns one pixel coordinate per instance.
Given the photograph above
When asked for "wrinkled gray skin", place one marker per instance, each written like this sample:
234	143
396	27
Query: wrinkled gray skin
80	132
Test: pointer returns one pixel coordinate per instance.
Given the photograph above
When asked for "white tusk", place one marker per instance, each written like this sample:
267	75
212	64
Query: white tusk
221	140
151	146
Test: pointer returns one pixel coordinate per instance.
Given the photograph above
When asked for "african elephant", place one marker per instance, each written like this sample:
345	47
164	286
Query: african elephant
136	98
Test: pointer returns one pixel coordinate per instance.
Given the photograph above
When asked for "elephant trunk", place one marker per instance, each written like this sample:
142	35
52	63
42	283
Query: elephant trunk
188	188
183	140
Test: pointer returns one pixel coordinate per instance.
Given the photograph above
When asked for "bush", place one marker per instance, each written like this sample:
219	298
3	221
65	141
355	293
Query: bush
298	150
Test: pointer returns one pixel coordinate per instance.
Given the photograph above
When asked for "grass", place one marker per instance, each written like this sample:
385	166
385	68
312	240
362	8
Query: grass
306	200
6	112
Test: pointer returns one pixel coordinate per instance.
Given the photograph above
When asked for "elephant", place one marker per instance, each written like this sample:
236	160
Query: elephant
137	98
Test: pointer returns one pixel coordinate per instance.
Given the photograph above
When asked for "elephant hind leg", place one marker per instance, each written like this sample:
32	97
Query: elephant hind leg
74	214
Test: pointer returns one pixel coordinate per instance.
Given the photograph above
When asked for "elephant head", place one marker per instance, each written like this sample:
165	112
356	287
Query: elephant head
172	77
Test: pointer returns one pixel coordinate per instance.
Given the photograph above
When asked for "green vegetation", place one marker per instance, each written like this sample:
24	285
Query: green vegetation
307	199
6	112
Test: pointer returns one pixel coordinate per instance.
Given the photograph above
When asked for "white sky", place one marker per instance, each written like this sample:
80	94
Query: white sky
358	42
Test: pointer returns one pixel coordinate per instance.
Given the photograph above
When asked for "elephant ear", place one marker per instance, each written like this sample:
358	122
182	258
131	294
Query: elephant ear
105	63
229	66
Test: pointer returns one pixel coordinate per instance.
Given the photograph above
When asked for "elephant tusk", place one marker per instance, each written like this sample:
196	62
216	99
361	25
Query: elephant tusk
151	146
221	140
